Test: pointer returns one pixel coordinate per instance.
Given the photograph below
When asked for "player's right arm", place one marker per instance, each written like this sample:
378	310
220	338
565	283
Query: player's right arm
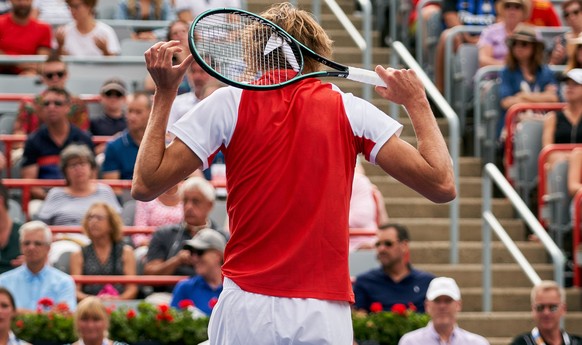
158	168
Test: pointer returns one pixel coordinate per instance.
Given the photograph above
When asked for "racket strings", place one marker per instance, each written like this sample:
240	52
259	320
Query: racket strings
245	50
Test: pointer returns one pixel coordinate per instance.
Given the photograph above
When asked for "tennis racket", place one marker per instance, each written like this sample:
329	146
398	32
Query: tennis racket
247	51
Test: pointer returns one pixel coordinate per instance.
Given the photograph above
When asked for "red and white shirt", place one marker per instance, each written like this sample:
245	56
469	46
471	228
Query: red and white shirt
290	156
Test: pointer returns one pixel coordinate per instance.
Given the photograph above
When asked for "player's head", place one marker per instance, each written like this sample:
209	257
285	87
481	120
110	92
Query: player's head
302	26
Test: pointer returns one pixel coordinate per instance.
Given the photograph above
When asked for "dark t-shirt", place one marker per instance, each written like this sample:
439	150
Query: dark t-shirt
527	339
105	125
11	250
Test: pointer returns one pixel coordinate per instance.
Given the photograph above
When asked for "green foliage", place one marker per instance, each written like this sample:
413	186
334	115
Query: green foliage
386	327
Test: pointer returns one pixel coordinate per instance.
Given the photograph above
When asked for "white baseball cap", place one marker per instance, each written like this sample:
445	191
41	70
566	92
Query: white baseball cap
443	286
575	74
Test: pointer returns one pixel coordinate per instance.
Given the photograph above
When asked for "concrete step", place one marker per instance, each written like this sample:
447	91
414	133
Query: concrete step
422	208
471	253
510	324
471	275
438	229
390	187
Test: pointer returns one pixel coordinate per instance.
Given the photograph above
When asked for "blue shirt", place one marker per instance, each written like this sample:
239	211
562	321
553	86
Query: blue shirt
28	288
197	290
377	286
511	84
41	150
428	336
120	155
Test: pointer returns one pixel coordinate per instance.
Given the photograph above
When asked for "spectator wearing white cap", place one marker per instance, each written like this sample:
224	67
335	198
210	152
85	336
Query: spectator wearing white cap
207	255
443	303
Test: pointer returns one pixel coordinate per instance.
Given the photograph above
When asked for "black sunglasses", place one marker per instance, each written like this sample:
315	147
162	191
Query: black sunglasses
386	243
56	103
551	307
113	94
50	75
512	5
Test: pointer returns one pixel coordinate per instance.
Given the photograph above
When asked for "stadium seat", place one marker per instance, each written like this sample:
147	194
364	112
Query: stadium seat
362	261
130	47
465	65
527	145
556	209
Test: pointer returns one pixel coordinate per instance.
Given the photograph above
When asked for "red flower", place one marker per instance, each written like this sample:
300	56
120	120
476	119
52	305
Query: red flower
45	302
62	307
185	303
212	302
163	308
399	309
109	309
20	324
160	317
130	314
411	306
376	307
168	317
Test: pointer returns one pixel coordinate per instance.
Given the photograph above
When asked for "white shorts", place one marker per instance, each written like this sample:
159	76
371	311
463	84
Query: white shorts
244	318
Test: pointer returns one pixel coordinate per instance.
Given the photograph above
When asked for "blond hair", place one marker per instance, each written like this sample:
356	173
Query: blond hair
91	306
547	285
113	218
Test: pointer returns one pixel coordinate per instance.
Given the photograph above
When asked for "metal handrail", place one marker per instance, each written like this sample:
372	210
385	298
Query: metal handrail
420	29
400	51
492	174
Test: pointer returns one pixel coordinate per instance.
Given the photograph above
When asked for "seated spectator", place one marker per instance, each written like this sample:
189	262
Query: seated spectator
53	73
525	78
51	11
455	13
113	101
120	154
43	147
188	10
548	307
492	41
443	303
21	34
105	255
563	127
8	313
395	281
165	253
178	31
144	10
543	14
164	210
86	36
10	256
36	279
92	323
68	205
574	49
207	250
367	209
575	171
560	53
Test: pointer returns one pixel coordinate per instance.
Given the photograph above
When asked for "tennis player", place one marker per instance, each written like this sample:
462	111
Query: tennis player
290	157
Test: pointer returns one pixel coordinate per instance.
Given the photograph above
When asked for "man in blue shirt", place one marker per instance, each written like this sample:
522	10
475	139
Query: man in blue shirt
207	250
121	153
35	279
395	281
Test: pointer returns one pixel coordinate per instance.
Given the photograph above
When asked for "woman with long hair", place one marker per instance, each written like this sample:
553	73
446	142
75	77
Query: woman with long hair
7	314
105	255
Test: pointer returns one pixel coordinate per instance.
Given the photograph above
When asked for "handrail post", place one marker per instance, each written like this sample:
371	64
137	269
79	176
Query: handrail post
316	9
367	53
576	239
486	190
454	133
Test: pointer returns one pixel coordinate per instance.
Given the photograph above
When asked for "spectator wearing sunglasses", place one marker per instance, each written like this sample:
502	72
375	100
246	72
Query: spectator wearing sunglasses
207	254
395	281
560	50
53	73
113	101
43	147
548	307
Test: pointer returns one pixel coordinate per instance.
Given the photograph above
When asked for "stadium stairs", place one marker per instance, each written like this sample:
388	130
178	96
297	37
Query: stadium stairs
429	223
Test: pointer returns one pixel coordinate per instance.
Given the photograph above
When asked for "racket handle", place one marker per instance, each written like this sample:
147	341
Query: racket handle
365	76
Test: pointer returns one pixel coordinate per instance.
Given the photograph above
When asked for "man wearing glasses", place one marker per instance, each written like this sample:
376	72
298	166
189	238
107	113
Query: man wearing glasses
548	306
36	279
53	73
395	281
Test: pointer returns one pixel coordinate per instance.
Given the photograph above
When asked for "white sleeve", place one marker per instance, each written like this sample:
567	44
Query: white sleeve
113	45
210	124
370	124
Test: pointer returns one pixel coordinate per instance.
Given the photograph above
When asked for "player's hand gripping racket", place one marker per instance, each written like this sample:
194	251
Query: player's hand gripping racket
247	51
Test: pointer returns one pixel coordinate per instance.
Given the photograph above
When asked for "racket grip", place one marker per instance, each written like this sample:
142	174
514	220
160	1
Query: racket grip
365	76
